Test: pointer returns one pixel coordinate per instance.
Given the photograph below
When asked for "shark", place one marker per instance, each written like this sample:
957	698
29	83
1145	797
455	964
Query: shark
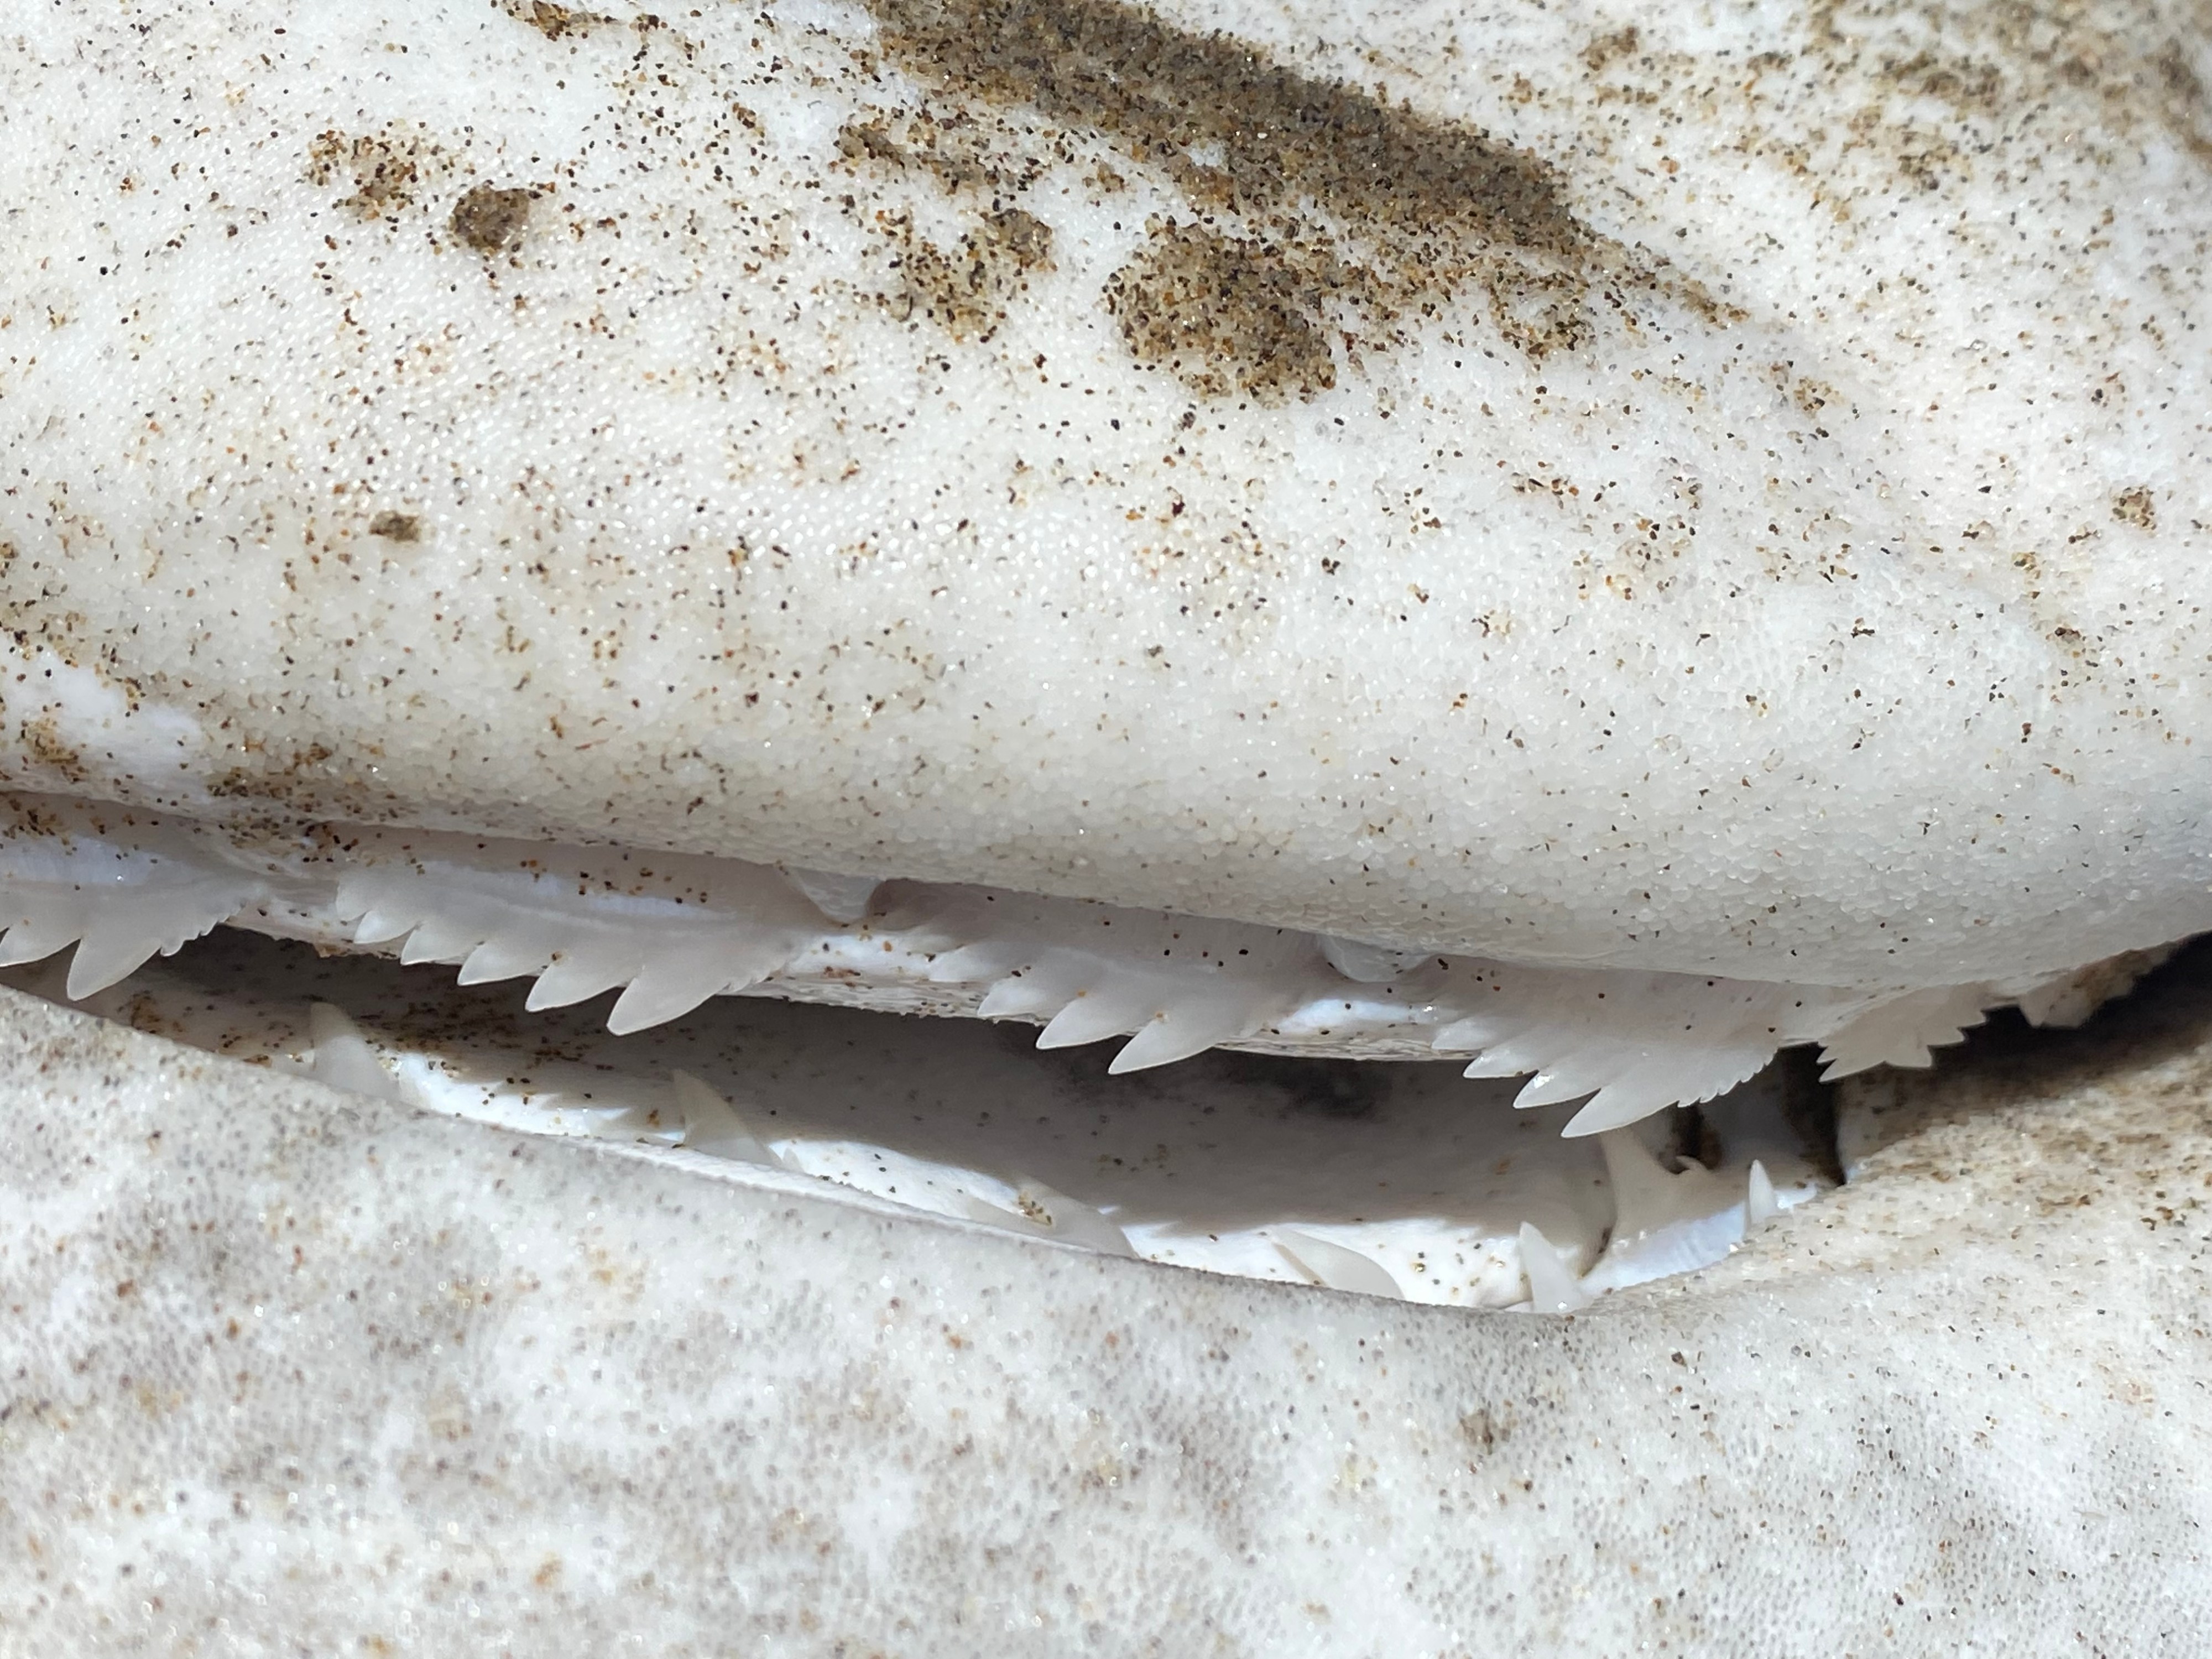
1593	547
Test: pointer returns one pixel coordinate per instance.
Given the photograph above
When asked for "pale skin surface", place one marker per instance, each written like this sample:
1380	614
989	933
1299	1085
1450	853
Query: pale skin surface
1764	531
444	492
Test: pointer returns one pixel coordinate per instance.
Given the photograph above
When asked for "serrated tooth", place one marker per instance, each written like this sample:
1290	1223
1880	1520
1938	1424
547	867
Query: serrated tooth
1658	1081
1615	1108
44	929
1184	1032
381	927
360	894
108	952
673	983
508	957
582	972
1901	1032
1552	1285
1336	1266
712	1125
1584	1068
343	1058
1093	1015
441	938
1526	1050
1015	995
666	989
128	929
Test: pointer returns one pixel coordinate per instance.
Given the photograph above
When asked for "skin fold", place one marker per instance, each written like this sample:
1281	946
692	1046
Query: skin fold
1707	493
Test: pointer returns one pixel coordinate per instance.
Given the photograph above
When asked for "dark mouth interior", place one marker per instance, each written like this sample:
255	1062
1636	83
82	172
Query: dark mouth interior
1391	1177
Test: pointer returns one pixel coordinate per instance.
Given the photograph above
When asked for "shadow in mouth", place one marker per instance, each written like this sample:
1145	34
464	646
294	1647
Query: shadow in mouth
1393	1177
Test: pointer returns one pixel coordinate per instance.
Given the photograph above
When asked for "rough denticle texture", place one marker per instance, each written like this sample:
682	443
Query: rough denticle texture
284	1369
1717	491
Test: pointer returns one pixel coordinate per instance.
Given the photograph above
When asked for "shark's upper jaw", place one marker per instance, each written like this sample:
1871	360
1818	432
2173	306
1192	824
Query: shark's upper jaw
1696	529
1704	500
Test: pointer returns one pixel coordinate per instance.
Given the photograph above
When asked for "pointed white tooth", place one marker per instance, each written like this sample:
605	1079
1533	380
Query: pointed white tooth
359	893
46	929
1610	1110
128	929
1184	1031
343	1058
1091	1016
1336	1266
381	927
441	938
106	955
713	1125
505	958
1759	1207
664	991
1553	1286
1528	1049
1900	1032
582	972
1015	995
1635	1091
675	981
1643	1195
1550	1088
1075	1222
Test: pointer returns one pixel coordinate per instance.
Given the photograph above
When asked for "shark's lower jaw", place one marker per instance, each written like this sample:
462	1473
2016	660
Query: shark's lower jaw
1427	1190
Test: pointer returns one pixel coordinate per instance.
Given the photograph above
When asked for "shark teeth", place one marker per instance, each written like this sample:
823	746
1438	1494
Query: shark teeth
1553	1287
669	930
119	904
713	1125
1175	986
1336	1266
672	931
1228	1165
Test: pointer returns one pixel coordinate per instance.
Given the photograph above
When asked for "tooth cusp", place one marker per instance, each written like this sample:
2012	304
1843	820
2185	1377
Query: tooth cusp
1337	1267
712	1125
1553	1287
1901	1029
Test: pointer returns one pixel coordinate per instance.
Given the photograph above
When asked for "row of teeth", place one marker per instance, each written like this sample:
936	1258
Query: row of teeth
1496	1211
1664	1222
672	931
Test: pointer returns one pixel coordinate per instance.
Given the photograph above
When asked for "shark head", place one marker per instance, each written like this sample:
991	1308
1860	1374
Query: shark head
1596	549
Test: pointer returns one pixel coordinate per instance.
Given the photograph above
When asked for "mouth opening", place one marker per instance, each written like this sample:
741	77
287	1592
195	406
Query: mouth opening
1390	1178
1281	1105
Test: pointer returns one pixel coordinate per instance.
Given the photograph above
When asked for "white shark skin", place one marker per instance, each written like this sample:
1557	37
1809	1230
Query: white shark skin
288	1369
1818	601
167	659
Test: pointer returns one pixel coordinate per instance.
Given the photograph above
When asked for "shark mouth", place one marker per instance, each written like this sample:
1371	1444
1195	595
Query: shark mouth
1655	1130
